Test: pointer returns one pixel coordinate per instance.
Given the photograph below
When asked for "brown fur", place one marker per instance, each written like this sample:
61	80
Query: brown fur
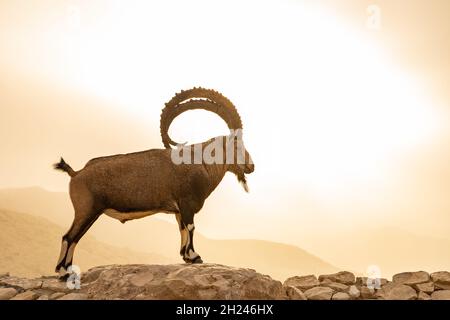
142	181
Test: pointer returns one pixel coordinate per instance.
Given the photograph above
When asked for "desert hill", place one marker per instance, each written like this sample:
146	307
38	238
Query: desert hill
153	236
29	246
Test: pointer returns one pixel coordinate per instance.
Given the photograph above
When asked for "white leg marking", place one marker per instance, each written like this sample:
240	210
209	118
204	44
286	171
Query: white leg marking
63	251
192	254
184	237
190	227
188	240
70	252
183	232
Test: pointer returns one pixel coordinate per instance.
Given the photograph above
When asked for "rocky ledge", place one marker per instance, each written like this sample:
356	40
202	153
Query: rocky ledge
212	281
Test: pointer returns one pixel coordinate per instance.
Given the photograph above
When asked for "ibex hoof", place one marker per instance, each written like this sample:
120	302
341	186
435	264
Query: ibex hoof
197	260
64	277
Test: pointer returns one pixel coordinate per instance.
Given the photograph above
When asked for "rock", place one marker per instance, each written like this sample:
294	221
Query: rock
343	277
294	293
92	274
142	279
219	282
27	295
25	284
427	287
441	279
411	278
341	296
423	296
441	295
367	293
319	293
56	295
74	296
4	275
54	284
354	292
7	293
303	283
334	285
180	281
396	291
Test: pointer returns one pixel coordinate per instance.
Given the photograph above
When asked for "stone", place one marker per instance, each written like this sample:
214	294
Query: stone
74	296
43	297
56	295
294	293
341	296
25	284
180	281
423	296
141	279
396	291
354	292
367	293
7	293
54	284
27	295
411	278
441	295
343	277
441	279
303	283
334	285
4	275
427	287
92	274
319	293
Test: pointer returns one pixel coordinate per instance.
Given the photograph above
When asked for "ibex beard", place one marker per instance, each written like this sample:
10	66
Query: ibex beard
136	185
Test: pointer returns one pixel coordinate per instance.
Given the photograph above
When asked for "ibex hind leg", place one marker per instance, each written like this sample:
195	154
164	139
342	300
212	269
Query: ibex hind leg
85	216
189	254
69	241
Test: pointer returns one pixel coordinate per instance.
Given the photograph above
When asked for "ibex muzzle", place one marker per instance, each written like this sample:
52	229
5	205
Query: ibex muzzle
135	185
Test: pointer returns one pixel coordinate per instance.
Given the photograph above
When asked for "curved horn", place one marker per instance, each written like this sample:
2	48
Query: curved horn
198	98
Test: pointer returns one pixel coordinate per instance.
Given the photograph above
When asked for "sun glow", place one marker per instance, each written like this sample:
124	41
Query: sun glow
322	104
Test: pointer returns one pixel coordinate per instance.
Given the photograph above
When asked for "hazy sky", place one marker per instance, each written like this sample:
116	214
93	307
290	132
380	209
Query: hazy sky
348	125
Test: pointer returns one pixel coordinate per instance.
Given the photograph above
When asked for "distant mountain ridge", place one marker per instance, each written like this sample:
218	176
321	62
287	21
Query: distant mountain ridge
160	238
30	245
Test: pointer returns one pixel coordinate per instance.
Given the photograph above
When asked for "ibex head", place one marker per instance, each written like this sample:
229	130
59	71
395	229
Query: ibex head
242	162
236	158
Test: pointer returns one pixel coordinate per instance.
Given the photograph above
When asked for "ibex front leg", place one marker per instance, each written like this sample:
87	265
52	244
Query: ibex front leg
186	225
183	234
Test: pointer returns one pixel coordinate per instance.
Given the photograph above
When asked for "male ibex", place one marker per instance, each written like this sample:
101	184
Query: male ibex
135	185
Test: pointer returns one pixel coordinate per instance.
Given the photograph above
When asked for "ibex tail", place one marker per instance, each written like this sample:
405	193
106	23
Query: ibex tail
63	166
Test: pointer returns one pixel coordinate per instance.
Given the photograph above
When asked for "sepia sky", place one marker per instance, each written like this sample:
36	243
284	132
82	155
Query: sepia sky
348	124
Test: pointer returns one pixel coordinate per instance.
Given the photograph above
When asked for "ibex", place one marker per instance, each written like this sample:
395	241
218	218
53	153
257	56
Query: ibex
135	185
